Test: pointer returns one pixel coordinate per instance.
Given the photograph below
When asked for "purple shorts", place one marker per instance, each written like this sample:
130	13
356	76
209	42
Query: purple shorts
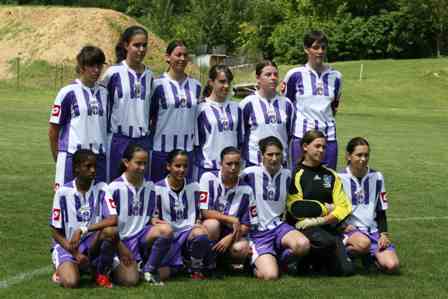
330	157
268	242
174	258
158	166
117	145
135	242
59	255
374	239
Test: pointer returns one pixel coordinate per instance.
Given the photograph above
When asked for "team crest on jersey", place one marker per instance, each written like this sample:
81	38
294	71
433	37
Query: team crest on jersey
56	110
183	102
224	123
359	196
272	117
136	205
203	197
138	89
326	181
179	209
320	88
56	214
271	192
84	213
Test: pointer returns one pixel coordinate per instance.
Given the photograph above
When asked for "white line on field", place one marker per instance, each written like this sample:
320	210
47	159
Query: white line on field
423	218
47	270
24	276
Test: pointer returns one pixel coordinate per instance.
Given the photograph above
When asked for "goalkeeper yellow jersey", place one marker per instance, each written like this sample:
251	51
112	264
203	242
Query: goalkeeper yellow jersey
321	184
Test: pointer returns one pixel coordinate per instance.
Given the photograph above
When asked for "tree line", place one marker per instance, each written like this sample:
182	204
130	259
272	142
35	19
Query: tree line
357	29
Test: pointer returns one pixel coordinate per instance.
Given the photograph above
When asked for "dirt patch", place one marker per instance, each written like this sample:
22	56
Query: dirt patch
56	34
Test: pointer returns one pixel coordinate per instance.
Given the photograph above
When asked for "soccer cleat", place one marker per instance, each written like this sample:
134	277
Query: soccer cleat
103	281
196	275
153	279
56	278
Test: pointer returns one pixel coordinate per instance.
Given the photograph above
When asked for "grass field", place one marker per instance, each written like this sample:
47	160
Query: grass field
401	106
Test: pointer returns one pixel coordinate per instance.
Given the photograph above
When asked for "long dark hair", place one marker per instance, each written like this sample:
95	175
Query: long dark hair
120	51
213	74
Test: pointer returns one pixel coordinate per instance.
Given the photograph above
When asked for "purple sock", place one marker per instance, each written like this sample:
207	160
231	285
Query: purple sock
106	257
286	257
198	249
210	257
159	249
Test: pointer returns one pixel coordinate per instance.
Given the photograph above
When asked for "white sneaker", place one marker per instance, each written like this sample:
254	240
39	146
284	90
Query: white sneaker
152	279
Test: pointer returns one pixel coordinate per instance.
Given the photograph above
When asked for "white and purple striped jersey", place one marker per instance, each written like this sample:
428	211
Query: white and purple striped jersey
180	210
129	100
81	114
263	118
174	108
368	196
219	125
314	97
269	203
135	207
229	201
71	209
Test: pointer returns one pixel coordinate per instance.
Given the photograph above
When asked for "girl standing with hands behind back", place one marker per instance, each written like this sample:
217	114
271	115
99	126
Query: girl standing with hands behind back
130	85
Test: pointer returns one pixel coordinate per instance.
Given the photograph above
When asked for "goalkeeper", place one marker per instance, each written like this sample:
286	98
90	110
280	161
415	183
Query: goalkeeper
316	206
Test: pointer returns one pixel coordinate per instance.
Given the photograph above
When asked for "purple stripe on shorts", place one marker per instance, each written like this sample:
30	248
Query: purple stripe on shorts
163	145
185	143
175	141
131	130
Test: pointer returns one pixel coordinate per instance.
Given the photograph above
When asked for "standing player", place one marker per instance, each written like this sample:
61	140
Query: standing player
81	225
219	121
224	202
79	117
315	89
273	242
178	204
146	239
266	113
174	111
313	181
367	226
130	85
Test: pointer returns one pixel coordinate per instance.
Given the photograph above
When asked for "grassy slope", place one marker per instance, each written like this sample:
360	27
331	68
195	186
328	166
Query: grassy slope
401	106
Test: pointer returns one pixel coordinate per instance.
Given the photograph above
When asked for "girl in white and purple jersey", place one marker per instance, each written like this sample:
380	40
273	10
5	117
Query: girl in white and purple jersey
174	108
82	223
367	226
178	204
315	90
224	203
219	121
130	86
79	117
145	237
266	113
273	241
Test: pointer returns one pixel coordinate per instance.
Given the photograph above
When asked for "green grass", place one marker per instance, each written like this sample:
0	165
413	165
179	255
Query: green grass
400	106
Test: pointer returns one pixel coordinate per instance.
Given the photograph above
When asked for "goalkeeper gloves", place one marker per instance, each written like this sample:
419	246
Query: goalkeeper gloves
310	222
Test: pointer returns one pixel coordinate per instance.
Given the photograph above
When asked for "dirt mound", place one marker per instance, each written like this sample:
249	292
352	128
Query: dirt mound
56	34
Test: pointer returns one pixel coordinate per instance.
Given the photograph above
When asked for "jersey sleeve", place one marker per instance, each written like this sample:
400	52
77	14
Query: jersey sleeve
342	206
382	201
61	110
204	200
56	217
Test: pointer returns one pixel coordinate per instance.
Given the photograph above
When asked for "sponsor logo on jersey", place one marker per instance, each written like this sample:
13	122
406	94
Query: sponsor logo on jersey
56	214
56	110
203	197
327	181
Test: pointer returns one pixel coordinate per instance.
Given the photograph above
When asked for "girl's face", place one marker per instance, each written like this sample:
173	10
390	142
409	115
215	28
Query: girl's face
359	158
178	167
136	166
272	159
268	79
178	59
220	86
314	151
316	53
136	48
90	73
86	170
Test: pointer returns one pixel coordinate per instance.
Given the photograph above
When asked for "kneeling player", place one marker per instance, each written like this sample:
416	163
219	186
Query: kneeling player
144	239
224	202
178	204
82	226
367	226
273	242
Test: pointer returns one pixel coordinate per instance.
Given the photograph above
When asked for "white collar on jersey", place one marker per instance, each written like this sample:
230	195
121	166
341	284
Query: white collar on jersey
132	71
88	191
351	174
167	76
264	99
215	103
132	187
93	89
267	172
222	182
328	69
